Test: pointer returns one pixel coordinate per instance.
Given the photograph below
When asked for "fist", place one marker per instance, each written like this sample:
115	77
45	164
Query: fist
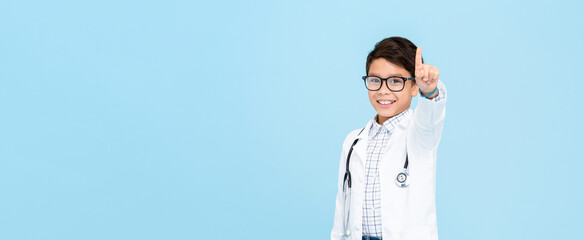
426	75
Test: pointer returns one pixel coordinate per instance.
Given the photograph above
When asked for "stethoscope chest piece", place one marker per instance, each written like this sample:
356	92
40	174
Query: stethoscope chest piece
402	179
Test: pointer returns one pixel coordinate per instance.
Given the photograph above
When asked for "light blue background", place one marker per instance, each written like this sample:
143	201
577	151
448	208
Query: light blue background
195	120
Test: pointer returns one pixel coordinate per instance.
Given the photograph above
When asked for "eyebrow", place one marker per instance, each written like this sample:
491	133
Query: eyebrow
392	75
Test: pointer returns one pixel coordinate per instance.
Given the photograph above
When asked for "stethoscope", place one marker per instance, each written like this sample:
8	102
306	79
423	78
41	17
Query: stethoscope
401	180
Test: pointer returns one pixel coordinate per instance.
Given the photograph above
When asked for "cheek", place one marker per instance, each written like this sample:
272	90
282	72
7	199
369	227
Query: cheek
371	96
407	93
403	97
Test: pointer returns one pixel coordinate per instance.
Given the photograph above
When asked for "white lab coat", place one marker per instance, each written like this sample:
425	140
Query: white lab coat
406	213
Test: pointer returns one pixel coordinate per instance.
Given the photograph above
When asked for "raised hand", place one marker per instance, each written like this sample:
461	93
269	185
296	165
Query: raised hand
426	75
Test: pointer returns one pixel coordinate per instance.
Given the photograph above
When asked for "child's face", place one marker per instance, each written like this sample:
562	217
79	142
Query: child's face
383	69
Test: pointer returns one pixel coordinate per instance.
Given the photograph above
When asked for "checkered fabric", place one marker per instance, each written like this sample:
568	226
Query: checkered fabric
379	136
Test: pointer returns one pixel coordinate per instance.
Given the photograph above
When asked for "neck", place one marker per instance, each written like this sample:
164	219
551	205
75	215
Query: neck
381	119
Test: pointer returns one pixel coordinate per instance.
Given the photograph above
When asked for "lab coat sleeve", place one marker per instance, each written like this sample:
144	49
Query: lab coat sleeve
337	223
429	118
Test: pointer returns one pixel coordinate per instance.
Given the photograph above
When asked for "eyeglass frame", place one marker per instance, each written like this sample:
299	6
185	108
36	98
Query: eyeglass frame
385	79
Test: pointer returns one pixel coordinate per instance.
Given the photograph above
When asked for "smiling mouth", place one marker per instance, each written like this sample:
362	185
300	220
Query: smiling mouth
385	102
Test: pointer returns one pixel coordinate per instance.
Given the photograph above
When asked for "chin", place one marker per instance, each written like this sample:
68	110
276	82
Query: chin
389	113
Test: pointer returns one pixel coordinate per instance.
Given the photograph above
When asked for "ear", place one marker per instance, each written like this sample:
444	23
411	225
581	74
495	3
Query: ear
414	89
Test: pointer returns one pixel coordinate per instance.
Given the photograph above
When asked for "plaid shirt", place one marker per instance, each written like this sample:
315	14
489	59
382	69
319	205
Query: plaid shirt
379	136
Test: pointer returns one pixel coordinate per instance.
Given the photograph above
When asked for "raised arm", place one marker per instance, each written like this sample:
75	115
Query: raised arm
430	112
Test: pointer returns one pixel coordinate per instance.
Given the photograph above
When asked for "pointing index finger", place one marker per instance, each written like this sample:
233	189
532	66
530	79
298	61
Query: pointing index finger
419	58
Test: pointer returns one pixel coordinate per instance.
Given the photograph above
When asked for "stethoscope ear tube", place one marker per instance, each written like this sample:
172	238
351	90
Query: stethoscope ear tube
347	181
346	213
347	172
347	193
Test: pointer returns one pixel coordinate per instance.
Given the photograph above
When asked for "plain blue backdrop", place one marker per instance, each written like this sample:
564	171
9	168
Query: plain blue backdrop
205	119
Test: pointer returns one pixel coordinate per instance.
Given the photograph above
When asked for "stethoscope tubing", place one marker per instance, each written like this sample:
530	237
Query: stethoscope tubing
401	181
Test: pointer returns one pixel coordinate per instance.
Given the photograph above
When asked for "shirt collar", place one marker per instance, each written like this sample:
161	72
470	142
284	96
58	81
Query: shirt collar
389	125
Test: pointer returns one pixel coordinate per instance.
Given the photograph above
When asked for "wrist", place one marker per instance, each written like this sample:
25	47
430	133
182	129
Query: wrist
429	94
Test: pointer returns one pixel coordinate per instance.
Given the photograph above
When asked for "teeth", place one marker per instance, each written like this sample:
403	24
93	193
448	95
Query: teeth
385	102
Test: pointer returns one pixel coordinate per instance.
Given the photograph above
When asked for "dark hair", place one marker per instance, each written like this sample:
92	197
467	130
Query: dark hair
397	50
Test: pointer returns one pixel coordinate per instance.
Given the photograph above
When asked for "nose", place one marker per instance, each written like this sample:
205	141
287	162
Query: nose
384	88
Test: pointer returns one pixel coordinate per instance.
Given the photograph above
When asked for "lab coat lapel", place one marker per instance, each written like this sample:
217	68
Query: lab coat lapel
361	146
392	162
397	149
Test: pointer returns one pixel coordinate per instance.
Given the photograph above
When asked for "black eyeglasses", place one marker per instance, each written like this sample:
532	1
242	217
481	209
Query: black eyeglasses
394	84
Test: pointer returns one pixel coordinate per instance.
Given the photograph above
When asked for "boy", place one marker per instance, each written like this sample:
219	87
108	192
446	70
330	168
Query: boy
390	189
